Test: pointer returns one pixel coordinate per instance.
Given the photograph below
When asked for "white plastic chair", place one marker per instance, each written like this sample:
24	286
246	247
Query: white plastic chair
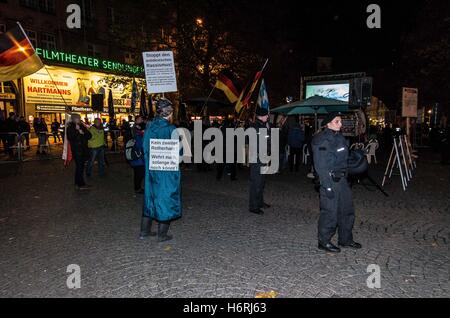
305	154
357	145
371	148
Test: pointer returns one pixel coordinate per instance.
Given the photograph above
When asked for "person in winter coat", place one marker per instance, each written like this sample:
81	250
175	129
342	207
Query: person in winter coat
162	199
296	138
41	130
55	127
138	165
24	130
78	136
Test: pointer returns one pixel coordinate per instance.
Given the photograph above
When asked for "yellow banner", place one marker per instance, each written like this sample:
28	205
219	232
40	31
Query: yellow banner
75	86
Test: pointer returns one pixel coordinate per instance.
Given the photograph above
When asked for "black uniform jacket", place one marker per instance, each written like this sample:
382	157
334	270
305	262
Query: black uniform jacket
330	154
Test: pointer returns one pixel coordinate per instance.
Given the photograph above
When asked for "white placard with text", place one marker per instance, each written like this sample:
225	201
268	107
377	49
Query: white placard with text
160	72
164	154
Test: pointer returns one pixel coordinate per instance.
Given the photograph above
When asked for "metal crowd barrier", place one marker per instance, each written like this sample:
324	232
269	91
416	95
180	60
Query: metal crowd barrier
115	146
10	147
15	144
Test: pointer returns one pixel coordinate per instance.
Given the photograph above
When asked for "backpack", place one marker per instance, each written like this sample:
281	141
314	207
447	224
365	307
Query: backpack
131	151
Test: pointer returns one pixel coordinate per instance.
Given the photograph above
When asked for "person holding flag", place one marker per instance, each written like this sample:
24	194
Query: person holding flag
257	179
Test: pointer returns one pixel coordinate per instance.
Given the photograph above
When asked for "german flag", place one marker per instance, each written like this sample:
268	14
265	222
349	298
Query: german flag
244	101
225	83
17	55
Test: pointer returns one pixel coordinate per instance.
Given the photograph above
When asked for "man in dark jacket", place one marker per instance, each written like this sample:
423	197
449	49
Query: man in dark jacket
12	127
284	132
3	133
257	179
78	136
296	138
55	131
24	128
330	154
138	165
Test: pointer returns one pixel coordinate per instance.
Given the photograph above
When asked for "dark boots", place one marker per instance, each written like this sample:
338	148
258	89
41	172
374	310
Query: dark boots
163	228
146	225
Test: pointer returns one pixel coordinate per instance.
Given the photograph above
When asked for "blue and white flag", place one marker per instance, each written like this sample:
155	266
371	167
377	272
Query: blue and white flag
263	98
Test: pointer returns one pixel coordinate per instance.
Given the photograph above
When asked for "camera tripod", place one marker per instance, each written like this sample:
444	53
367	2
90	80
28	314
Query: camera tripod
402	159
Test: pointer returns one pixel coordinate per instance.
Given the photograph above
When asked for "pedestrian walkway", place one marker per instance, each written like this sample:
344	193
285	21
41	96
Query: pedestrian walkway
219	249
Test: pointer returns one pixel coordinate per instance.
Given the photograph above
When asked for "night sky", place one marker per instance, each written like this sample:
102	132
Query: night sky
293	33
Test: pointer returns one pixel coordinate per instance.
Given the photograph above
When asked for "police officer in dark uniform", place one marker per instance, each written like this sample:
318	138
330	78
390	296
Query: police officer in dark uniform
330	154
257	179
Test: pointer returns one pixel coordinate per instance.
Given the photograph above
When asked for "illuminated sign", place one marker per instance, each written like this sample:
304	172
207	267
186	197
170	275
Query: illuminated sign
339	91
74	87
89	62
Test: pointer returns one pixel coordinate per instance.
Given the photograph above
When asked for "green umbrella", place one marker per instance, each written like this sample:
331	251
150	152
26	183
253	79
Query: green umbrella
315	105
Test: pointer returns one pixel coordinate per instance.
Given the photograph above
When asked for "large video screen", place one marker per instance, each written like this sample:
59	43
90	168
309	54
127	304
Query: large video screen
337	90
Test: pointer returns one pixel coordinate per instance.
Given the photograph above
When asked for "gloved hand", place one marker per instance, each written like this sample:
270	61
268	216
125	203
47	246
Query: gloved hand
329	193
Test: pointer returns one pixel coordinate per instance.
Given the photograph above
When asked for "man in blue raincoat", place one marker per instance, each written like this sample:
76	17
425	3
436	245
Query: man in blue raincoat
162	199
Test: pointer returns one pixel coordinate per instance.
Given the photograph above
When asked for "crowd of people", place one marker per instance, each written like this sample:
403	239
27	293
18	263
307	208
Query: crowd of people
328	150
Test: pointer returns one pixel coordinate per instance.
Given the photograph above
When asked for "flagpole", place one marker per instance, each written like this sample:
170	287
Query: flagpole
53	82
34	49
262	70
207	99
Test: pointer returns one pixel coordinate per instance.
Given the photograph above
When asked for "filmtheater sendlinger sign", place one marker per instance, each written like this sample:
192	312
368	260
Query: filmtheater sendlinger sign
89	62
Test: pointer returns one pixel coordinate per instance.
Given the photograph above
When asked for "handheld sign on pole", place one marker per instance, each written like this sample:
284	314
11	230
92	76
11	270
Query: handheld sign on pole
160	72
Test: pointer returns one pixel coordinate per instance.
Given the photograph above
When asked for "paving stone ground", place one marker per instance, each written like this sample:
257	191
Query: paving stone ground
219	249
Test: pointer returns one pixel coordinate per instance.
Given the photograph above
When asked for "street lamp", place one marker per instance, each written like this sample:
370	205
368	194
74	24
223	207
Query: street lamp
199	21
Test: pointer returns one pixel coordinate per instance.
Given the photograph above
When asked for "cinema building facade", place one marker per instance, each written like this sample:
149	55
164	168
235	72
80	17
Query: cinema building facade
68	81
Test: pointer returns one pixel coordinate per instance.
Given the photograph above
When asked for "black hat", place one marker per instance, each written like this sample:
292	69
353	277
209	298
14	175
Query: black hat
261	111
329	118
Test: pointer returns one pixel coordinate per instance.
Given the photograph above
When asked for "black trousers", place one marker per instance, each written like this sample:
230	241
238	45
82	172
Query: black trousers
139	174
337	212
79	171
257	184
297	153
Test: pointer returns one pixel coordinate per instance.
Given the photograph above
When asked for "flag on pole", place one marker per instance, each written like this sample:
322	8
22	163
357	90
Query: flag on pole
110	105
67	151
143	105
244	102
263	98
226	84
239	104
133	96
17	55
